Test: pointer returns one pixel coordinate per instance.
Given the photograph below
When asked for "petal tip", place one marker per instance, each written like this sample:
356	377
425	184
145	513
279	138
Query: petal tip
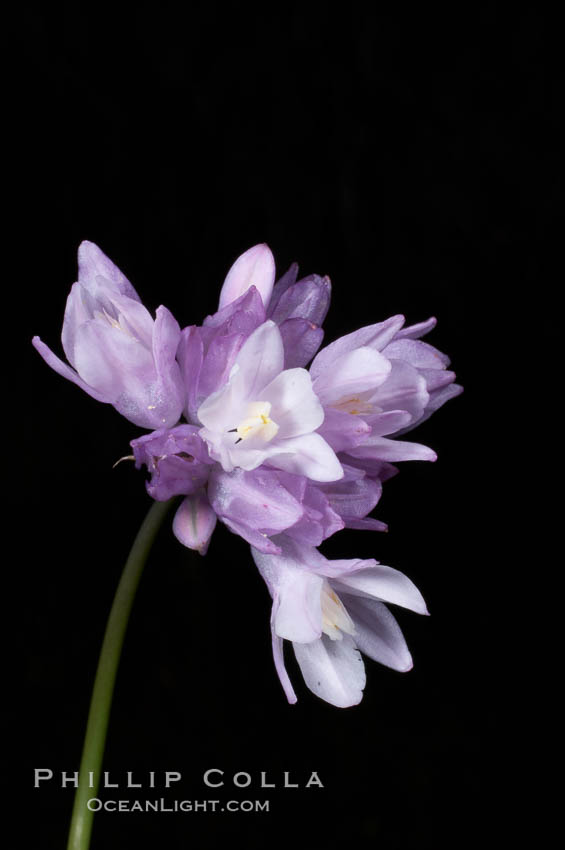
256	266
87	248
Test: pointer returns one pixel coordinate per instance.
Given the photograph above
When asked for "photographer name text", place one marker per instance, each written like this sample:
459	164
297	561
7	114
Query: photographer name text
212	778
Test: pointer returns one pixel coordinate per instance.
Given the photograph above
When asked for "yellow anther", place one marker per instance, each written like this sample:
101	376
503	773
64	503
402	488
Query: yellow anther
355	405
257	422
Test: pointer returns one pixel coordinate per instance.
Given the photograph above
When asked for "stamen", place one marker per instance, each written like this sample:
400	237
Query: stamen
257	423
335	619
354	405
126	457
119	324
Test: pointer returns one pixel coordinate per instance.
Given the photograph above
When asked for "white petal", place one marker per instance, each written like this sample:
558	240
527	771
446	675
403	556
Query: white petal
113	362
260	360
307	455
221	409
383	583
388	422
353	372
404	389
332	669
377	633
294	405
381	448
298	606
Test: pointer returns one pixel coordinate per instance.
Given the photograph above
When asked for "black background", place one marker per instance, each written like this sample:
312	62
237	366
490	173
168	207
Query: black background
408	155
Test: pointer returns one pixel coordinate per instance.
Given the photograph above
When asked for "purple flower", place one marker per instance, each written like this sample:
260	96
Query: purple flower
332	611
119	354
379	382
263	502
431	365
256	504
266	414
357	493
206	354
177	459
299	308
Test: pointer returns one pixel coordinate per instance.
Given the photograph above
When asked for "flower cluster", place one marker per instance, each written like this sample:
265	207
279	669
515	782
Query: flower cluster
283	455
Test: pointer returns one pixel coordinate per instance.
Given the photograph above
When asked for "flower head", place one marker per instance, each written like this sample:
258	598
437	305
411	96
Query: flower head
283	456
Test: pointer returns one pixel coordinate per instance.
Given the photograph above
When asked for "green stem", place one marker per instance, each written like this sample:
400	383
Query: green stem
101	702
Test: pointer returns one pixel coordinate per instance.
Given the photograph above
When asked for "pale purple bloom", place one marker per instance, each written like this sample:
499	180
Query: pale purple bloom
332	611
266	414
299	308
255	504
177	459
117	352
263	502
320	519
357	493
206	354
430	363
378	382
